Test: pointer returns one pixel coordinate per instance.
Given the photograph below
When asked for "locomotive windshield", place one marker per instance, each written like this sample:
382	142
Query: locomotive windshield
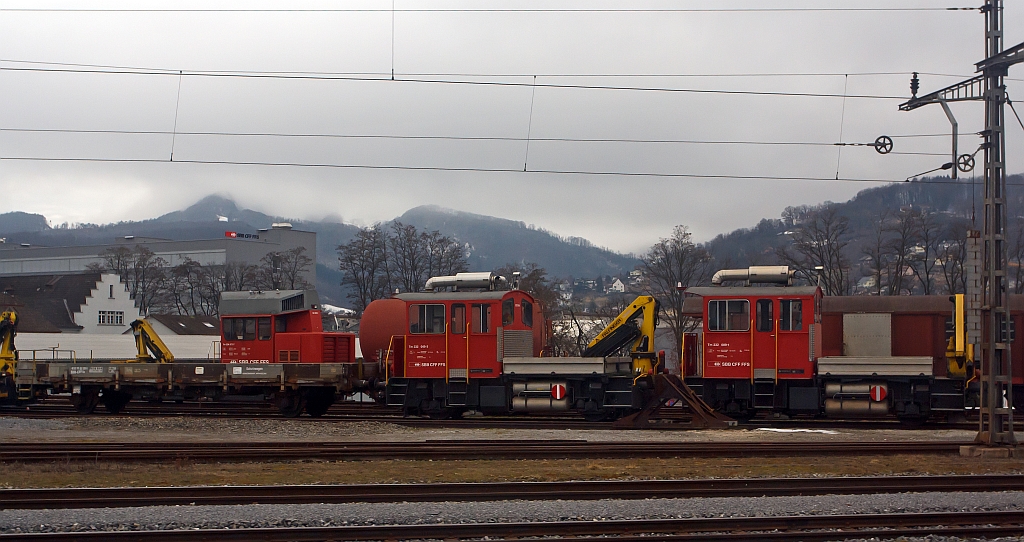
729	315
792	314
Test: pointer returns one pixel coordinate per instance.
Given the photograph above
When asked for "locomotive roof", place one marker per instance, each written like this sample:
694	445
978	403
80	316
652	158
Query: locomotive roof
887	303
272	302
747	291
458	296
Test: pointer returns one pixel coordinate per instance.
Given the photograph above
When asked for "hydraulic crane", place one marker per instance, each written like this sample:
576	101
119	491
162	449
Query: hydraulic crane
625	331
8	355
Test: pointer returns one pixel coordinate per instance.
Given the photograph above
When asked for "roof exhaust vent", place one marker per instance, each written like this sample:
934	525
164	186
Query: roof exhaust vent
770	274
484	281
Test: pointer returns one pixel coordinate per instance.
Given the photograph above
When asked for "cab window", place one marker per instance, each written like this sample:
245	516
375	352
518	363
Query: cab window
507	312
765	322
263	328
527	313
458	319
791	314
729	315
426	319
481	318
239	329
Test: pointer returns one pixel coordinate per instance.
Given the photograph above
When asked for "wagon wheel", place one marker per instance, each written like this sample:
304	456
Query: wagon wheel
291	405
85	402
115	401
319	401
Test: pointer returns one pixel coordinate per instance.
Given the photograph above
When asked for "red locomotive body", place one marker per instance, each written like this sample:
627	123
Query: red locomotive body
760	333
789	350
279	327
451	335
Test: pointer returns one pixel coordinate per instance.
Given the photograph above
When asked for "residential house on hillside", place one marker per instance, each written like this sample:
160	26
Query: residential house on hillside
616	286
95	303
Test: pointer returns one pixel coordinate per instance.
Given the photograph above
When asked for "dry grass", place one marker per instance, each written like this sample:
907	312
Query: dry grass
186	472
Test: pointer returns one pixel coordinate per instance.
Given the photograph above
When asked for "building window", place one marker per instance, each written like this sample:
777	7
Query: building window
111	318
729	315
111	291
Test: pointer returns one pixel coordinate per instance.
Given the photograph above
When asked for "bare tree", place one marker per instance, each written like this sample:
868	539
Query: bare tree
904	230
875	250
362	263
379	261
820	241
924	259
407	257
238	277
445	255
285	270
670	262
953	257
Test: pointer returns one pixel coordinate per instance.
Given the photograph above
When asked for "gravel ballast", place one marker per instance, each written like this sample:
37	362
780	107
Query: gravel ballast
319	515
200	429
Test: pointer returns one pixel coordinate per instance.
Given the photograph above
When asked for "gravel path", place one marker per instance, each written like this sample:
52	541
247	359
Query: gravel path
128	428
252	516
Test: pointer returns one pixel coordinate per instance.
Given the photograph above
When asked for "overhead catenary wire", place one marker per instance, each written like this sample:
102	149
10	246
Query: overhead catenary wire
467	138
842	123
493	74
491	10
453	81
174	134
595	173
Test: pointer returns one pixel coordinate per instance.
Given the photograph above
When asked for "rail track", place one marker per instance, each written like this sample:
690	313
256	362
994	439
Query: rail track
63	498
449	450
370	412
811	528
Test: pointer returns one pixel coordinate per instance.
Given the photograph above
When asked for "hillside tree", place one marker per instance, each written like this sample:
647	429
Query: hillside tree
675	261
820	240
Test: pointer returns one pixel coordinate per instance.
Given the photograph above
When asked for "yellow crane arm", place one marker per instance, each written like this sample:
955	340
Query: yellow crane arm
8	329
624	330
959	352
149	344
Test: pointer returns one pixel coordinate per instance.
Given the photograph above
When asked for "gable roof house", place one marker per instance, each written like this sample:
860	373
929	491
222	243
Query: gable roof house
69	303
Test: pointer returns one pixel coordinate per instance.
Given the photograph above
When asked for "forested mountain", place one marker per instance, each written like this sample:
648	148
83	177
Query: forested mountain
491	242
934	214
497	241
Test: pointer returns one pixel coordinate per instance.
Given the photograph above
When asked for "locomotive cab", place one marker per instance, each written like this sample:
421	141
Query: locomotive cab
282	326
759	346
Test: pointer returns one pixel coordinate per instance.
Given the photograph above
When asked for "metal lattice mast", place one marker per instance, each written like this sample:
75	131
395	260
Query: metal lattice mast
995	426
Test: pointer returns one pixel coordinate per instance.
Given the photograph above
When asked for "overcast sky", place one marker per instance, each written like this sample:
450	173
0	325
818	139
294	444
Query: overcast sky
660	50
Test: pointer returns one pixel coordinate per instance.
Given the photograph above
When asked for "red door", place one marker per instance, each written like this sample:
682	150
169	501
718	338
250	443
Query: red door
458	344
765	348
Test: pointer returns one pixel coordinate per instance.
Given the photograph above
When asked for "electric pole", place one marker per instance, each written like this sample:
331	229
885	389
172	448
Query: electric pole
995	426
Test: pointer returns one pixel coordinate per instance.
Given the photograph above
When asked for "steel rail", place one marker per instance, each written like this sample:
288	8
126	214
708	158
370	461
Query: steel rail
451	450
815	527
65	498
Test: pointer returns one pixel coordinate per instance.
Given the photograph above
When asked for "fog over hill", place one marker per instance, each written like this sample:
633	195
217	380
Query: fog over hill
492	242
